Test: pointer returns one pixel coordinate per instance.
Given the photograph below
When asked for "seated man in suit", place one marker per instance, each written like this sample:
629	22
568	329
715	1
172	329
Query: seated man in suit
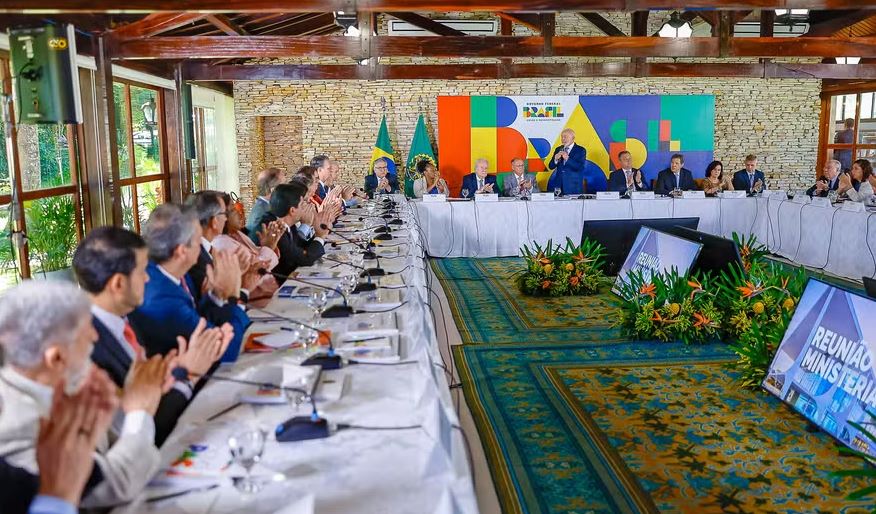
110	265
626	178
213	214
829	181
267	181
63	455
676	176
568	165
750	179
47	337
520	183
169	311
288	205
381	181
478	181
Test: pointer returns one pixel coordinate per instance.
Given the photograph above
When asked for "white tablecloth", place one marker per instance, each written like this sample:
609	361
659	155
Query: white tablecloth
828	238
362	471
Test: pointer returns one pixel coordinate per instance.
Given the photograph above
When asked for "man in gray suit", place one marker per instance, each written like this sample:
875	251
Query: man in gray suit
519	183
47	337
267	181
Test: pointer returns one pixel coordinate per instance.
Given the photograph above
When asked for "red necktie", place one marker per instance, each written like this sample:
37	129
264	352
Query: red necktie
131	338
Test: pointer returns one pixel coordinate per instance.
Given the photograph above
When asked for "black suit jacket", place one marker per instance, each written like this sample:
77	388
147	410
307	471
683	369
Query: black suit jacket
109	355
295	251
17	488
617	181
741	182
198	273
666	181
811	190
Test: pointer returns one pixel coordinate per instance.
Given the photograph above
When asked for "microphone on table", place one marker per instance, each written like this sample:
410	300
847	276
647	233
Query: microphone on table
366	247
371	272
330	360
335	311
360	287
297	428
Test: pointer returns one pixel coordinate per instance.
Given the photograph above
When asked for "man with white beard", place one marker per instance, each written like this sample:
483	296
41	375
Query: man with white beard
47	336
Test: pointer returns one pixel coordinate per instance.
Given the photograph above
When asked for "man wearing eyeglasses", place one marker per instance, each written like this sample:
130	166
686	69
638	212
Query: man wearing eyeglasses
381	181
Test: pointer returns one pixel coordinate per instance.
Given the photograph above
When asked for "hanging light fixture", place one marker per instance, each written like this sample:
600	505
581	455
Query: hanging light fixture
848	60
676	27
348	21
149	112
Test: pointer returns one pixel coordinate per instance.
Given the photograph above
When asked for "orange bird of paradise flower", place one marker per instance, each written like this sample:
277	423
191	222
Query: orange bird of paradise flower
749	290
701	321
648	290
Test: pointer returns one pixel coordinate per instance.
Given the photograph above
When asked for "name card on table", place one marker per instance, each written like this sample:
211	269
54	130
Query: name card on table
487	197
642	195
851	206
779	194
801	198
820	201
733	194
687	195
607	195
433	198
542	197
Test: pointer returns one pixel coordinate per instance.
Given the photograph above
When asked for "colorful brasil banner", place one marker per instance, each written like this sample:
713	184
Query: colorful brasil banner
499	128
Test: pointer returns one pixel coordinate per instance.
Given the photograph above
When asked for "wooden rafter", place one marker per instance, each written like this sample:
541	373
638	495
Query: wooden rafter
425	23
602	24
226	25
154	24
219	47
529	20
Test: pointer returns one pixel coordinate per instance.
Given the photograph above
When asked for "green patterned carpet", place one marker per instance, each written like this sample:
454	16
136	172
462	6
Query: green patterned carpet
488	307
575	419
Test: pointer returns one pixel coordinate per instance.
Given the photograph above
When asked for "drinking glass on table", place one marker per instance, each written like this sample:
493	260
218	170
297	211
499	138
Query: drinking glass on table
464	192
348	283
246	449
317	301
558	192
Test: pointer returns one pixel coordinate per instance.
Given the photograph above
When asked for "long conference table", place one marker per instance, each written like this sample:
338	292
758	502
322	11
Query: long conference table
833	239
378	466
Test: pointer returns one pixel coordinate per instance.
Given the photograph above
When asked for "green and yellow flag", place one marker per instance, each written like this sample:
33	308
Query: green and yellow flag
382	148
421	149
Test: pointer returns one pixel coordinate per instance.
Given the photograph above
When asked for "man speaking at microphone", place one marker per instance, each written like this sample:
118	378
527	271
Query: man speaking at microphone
568	165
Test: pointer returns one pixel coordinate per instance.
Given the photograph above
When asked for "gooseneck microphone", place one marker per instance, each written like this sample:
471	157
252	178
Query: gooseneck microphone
335	311
330	360
373	272
365	247
297	428
360	287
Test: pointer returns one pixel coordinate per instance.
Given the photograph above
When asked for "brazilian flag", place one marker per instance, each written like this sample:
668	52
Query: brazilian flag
383	148
421	149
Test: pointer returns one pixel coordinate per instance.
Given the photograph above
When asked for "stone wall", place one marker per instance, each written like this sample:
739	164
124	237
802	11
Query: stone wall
775	119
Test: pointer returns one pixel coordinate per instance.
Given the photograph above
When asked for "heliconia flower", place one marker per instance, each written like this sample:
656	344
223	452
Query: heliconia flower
748	290
648	290
574	280
546	284
701	320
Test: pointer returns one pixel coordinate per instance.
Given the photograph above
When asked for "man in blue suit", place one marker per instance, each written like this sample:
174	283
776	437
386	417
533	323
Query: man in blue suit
626	177
110	265
675	176
750	179
381	181
478	181
173	237
568	165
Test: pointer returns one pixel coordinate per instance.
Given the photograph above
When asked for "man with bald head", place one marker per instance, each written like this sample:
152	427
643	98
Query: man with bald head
568	165
479	181
267	181
829	181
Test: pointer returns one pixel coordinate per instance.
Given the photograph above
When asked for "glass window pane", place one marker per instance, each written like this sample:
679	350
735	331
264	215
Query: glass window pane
51	233
44	156
210	158
128	207
144	113
867	153
867	131
122	129
5	185
8	269
866	106
149	196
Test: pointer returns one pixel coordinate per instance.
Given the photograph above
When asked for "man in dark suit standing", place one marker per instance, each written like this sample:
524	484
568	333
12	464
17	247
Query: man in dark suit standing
626	178
750	179
110	265
829	181
676	176
568	165
381	181
287	205
478	181
168	311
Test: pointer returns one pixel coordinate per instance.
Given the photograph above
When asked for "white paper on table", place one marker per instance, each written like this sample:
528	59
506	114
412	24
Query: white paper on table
354	335
280	339
304	505
299	377
377	307
331	387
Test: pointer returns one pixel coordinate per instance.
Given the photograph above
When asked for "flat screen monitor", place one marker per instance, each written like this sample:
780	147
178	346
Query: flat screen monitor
870	286
617	236
823	367
718	253
657	252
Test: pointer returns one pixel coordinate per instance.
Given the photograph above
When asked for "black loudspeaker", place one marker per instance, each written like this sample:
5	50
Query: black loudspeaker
188	117
45	75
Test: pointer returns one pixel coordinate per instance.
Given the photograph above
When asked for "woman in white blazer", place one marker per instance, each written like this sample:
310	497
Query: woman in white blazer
861	171
430	181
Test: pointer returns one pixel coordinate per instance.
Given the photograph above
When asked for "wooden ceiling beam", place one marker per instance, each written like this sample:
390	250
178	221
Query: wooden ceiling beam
767	22
221	47
528	20
289	6
422	22
602	24
208	72
154	24
226	25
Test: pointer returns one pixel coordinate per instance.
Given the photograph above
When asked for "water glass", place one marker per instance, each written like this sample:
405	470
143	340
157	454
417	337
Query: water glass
246	449
465	192
317	301
348	283
558	192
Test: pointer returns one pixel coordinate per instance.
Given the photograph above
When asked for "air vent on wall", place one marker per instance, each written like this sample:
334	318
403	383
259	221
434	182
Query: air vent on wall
752	29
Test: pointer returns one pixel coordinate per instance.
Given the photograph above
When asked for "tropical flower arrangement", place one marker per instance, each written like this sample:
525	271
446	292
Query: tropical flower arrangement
553	270
668	307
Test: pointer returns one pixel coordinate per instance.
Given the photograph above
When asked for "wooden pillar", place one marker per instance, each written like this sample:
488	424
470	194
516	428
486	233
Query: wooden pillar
184	176
108	158
17	220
